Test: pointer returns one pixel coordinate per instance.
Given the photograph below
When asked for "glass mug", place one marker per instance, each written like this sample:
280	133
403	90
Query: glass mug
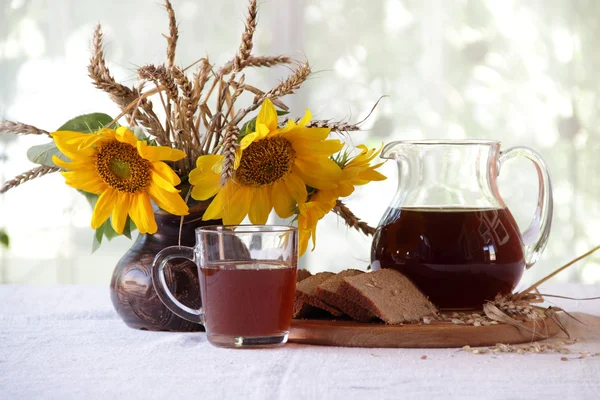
247	283
448	229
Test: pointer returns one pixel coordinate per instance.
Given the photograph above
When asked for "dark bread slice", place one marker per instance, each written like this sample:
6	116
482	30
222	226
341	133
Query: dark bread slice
327	291
388	294
305	296
302	274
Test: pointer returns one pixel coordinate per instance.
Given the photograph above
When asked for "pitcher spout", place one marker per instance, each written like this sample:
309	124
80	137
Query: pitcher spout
392	150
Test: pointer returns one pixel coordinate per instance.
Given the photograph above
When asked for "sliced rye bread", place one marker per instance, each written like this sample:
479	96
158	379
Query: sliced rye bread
302	274
327	291
306	300
388	294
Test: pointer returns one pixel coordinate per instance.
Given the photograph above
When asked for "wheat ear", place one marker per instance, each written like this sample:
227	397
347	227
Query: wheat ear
351	220
257	61
173	35
243	54
27	176
230	145
18	128
122	95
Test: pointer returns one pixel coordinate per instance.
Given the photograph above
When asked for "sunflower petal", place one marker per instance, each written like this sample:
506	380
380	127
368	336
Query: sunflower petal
166	172
142	214
261	205
247	140
168	201
86	180
307	134
312	148
205	187
120	211
81	164
238	206
267	115
104	206
206	163
296	188
161	182
126	136
68	143
304	237
215	209
320	174
283	202
158	153
371	175
306	119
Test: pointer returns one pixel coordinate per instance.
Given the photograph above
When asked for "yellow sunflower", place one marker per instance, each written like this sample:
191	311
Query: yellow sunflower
273	168
356	172
125	172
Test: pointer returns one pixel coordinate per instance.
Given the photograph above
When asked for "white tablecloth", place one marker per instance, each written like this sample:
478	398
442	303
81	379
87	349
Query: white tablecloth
63	342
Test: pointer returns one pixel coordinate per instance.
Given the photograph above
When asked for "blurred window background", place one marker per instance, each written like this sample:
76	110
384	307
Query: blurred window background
524	72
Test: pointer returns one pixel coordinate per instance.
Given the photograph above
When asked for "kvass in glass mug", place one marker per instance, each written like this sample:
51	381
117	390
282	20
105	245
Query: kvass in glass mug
448	229
247	283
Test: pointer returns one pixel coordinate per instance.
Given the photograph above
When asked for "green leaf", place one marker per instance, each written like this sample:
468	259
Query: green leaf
139	133
4	239
250	126
109	232
129	227
97	238
87	123
90	197
42	154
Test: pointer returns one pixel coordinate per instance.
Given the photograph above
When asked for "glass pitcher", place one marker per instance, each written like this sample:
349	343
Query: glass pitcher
448	229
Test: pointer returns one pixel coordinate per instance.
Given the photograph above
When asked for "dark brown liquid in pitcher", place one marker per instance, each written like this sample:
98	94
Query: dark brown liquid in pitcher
458	257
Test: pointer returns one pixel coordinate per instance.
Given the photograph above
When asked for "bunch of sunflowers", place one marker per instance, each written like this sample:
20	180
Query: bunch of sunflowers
245	167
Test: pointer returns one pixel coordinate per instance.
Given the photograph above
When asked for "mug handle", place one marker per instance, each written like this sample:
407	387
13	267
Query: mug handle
160	282
536	236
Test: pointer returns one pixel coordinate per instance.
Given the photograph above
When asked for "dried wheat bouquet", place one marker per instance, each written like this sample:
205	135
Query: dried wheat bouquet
241	158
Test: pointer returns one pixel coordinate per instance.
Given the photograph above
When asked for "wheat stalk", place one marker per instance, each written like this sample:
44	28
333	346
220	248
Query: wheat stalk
333	126
200	80
122	95
256	61
352	220
230	145
187	97
18	128
101	75
289	85
27	176
243	54
159	73
516	307
173	35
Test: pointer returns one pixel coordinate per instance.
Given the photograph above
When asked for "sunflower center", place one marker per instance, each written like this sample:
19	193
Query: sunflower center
266	161
121	167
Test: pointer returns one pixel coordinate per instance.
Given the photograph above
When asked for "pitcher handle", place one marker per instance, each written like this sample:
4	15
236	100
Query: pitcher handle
536	236
160	282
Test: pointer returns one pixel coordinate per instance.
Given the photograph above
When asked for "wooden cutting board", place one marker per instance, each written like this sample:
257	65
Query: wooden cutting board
434	335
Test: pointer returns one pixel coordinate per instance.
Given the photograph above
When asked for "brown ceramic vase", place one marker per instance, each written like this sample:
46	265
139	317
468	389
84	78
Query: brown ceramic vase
131	289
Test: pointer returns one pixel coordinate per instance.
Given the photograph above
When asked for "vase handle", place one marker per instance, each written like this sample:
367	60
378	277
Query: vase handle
536	236
160	282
